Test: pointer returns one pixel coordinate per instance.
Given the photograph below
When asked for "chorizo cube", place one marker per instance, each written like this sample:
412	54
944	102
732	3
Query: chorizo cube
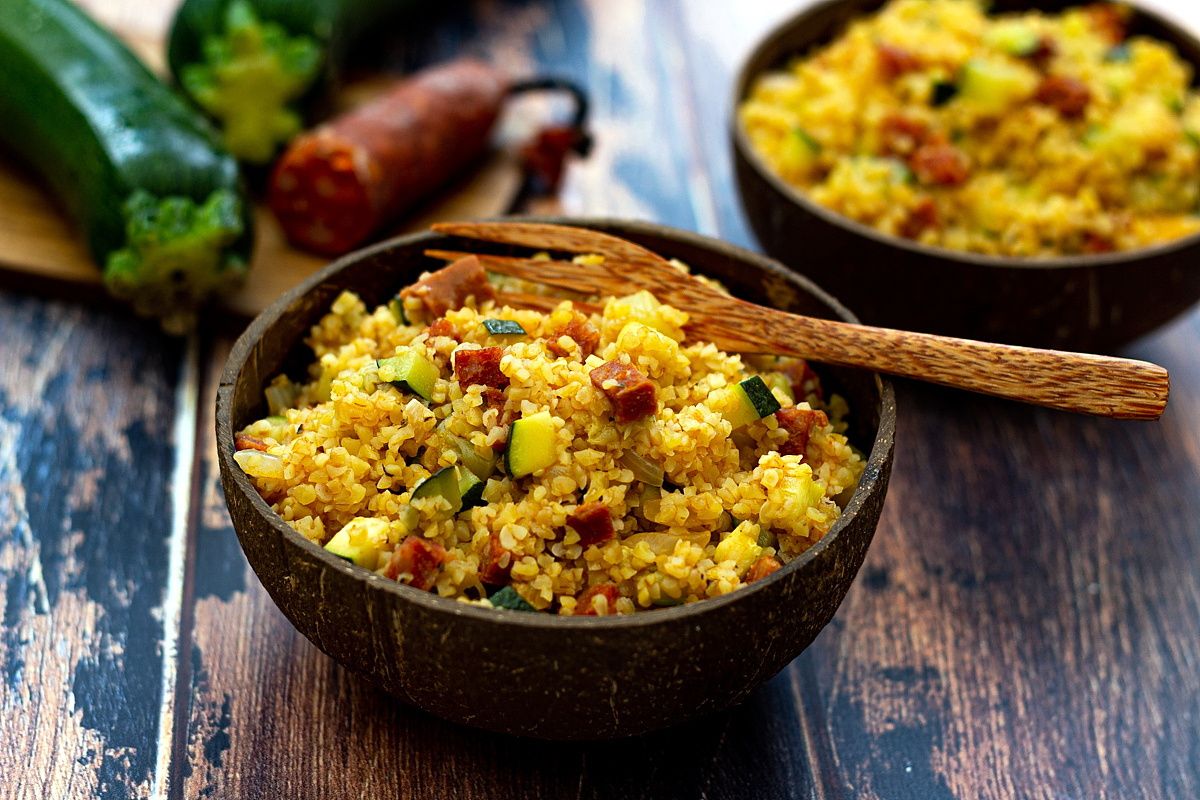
450	286
631	393
418	558
481	366
798	422
593	522
496	563
585	607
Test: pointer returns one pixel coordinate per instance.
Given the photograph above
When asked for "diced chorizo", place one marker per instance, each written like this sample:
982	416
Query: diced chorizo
804	380
585	607
492	397
450	286
581	331
895	61
1044	52
244	441
480	366
593	522
1068	96
1098	243
443	327
418	558
1108	20
922	217
939	165
496	563
337	184
631	393
763	567
901	136
798	422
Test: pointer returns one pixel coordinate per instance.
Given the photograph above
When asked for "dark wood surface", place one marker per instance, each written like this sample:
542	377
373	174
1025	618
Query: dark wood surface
1027	624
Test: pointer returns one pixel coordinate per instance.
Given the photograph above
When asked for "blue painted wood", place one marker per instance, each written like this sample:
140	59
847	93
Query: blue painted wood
86	405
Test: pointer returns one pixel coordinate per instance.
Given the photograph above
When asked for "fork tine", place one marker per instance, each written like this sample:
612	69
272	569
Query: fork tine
543	236
583	278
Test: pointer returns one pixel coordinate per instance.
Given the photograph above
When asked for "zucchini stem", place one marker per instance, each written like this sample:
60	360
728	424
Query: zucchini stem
177	254
251	73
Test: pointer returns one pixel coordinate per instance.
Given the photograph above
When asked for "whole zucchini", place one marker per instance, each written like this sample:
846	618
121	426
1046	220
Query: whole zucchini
159	201
256	66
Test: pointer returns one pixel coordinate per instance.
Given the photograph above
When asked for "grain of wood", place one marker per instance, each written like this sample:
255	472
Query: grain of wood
1025	624
1092	384
85	459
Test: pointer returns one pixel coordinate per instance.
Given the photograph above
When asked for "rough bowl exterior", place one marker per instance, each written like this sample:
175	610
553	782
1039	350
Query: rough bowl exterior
1095	303
538	674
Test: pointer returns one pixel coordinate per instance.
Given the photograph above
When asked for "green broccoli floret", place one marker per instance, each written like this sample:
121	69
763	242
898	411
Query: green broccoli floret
508	598
250	74
176	255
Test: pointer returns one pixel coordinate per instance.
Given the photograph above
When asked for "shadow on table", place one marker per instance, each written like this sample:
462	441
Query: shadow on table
756	750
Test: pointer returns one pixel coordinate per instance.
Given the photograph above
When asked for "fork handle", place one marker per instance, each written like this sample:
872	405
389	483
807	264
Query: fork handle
1080	382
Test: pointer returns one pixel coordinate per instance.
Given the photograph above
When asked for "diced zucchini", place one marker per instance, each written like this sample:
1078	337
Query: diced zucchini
360	540
799	152
443	483
411	372
396	306
503	327
995	85
1014	37
942	92
470	489
277	419
740	546
1118	54
532	445
766	538
408	518
508	598
746	402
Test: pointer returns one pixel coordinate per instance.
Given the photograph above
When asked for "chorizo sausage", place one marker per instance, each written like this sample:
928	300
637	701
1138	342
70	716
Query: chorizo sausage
593	522
336	185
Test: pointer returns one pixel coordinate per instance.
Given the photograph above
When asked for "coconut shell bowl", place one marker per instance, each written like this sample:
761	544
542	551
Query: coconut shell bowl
1091	303
537	674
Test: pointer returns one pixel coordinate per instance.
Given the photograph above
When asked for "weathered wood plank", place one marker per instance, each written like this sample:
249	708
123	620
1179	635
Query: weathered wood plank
1026	623
86	403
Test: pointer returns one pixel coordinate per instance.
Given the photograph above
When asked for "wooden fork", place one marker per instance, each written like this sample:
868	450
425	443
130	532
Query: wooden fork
1080	382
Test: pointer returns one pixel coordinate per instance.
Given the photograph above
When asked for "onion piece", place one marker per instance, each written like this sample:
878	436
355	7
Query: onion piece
643	470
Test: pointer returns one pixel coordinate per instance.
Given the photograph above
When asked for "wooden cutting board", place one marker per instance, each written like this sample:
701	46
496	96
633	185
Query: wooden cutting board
36	240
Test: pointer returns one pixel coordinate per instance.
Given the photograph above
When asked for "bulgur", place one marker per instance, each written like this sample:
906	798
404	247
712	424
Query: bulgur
1027	134
703	509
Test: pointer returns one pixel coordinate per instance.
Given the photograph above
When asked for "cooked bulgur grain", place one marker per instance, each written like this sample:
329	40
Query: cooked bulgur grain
1028	134
422	489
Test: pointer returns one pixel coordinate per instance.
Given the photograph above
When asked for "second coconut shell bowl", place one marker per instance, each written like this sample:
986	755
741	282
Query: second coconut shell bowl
1089	303
539	674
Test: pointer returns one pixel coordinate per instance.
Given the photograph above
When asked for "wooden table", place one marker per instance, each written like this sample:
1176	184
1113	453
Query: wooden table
1027	624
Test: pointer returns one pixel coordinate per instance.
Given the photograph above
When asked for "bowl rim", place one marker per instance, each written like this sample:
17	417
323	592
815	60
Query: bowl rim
747	152
873	478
